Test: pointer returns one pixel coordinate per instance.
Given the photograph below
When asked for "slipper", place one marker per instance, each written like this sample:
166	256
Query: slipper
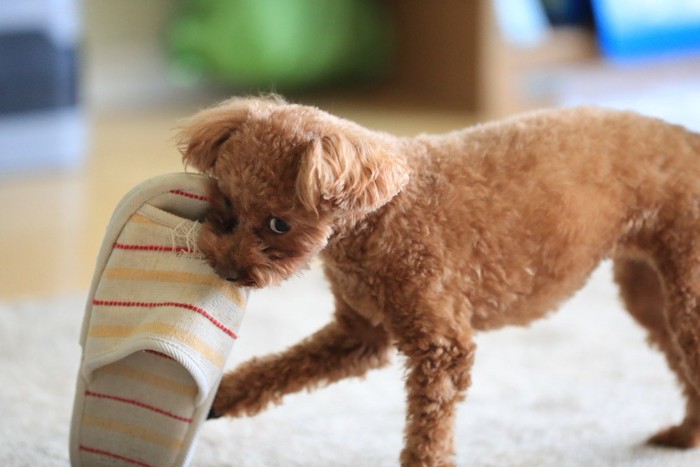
158	328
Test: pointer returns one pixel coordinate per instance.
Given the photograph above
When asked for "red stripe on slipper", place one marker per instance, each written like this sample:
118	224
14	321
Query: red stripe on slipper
113	456
138	404
123	246
187	306
189	195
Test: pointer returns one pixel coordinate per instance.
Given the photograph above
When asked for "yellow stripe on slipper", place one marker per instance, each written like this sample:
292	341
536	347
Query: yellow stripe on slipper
133	274
164	330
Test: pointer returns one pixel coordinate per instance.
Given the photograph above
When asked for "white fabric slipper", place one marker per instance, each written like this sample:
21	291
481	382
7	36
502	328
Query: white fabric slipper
158	328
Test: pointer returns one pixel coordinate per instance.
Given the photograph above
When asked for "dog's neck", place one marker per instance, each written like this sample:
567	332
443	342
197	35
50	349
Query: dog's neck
349	233
348	227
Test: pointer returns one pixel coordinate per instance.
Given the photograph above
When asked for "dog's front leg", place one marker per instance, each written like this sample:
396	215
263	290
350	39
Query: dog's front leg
439	364
347	346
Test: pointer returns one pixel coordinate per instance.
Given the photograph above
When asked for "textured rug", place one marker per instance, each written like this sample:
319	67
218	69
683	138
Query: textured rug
580	388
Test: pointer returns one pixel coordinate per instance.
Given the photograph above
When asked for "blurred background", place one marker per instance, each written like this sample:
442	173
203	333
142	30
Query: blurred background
91	91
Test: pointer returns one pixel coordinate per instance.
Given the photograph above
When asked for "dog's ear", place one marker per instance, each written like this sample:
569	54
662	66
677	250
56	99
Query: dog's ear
201	137
350	173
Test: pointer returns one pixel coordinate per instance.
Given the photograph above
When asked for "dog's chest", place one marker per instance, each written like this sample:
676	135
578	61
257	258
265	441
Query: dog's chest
356	291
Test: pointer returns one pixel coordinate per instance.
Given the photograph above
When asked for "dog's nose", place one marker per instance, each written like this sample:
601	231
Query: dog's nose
230	273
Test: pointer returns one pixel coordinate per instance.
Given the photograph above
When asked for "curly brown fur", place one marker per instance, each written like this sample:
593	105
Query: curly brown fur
427	240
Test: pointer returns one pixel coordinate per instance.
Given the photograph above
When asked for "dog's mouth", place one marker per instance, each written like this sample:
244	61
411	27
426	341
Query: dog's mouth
241	282
259	275
239	278
256	278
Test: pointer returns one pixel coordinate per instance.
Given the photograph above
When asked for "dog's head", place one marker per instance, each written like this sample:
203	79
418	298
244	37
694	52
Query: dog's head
288	177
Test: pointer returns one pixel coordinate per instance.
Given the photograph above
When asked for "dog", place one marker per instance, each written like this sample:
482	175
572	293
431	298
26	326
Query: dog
430	239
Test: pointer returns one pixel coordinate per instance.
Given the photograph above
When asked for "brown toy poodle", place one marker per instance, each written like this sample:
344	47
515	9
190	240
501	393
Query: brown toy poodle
428	240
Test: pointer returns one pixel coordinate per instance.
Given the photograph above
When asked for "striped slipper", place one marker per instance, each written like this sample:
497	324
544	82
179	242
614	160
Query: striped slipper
158	328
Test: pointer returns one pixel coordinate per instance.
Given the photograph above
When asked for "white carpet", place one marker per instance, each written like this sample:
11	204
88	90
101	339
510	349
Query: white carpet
578	389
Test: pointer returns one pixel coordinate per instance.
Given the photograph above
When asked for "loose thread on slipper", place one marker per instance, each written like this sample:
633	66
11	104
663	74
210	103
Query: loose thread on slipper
186	233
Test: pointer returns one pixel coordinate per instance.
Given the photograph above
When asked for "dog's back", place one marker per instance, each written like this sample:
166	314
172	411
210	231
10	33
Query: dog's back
516	214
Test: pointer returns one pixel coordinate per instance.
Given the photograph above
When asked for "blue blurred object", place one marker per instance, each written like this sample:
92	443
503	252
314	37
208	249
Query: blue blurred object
568	12
647	28
522	22
41	124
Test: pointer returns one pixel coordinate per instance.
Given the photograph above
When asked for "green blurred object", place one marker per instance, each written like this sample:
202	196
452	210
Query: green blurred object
281	44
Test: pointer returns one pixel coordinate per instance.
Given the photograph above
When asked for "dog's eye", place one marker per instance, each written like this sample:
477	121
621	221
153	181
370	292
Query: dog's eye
228	203
278	226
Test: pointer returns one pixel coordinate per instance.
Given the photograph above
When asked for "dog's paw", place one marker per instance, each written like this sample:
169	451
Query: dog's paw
213	414
682	436
230	401
413	456
243	394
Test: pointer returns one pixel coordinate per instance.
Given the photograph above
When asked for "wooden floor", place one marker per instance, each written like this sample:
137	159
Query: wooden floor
53	223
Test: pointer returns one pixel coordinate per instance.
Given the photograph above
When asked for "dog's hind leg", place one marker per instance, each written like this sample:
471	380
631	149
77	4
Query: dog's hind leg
642	292
678	262
347	346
